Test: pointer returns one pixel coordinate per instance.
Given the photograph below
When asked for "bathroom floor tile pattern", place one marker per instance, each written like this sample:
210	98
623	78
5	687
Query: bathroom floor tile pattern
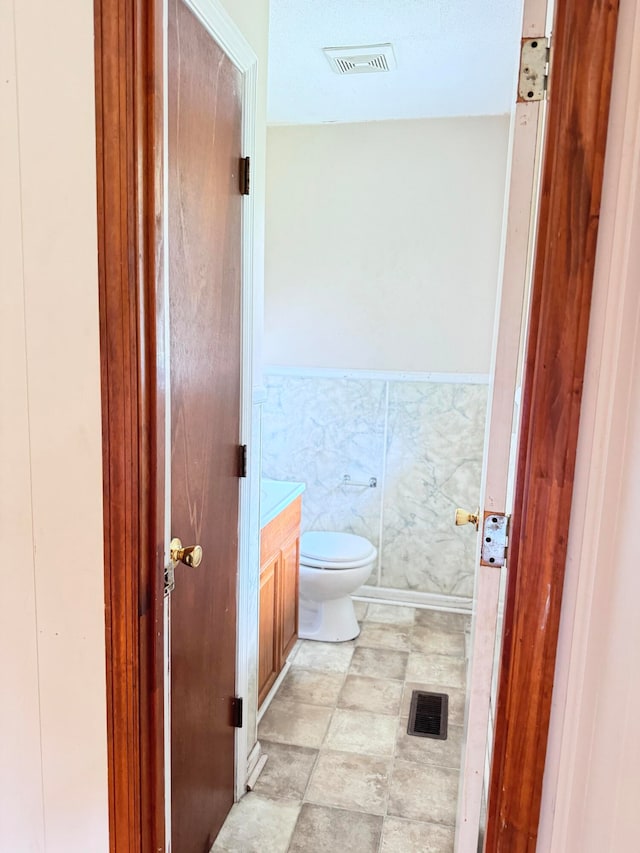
342	773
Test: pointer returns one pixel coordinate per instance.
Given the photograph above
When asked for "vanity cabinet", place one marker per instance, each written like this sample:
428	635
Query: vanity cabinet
279	558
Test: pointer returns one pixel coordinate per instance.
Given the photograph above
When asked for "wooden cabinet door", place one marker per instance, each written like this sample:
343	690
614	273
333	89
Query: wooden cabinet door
289	559
269	654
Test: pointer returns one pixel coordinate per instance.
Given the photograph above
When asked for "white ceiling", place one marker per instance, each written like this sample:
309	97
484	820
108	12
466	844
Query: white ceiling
455	58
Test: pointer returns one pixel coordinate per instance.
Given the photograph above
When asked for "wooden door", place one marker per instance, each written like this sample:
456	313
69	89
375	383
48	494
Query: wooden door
204	205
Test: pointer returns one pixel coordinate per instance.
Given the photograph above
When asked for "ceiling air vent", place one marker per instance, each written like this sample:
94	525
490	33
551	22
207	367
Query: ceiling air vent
361	60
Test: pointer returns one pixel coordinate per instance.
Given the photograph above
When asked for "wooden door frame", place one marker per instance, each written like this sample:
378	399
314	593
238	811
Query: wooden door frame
129	121
568	215
129	46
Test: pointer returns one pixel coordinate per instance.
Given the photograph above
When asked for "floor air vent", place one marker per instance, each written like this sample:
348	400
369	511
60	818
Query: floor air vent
428	715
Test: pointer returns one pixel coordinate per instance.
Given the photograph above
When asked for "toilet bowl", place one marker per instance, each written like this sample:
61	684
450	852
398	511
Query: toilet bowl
332	566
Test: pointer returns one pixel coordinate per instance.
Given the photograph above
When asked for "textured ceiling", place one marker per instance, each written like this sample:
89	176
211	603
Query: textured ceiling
454	58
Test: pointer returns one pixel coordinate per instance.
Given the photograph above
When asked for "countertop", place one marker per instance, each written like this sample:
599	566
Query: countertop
276	495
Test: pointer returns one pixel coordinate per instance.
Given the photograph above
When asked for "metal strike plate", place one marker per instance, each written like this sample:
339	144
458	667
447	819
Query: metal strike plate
169	578
534	69
494	539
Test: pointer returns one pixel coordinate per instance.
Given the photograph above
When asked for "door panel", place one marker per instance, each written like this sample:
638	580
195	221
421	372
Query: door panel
205	121
268	661
289	574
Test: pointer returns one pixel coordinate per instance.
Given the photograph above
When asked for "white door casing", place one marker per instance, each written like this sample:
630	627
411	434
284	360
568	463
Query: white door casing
512	305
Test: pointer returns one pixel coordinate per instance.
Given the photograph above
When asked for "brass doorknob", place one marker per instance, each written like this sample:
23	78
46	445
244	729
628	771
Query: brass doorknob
190	555
464	517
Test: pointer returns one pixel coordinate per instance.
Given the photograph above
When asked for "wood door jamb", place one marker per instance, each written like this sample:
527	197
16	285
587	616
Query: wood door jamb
579	95
128	49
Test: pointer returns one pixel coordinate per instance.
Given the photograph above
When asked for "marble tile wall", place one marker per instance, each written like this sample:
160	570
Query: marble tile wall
434	464
422	440
316	430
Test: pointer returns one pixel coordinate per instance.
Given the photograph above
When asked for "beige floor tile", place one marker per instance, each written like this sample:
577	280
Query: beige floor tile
436	669
311	686
426	750
325	830
378	663
435	641
349	781
456	699
391	613
358	731
328	657
258	825
295	723
376	695
420	792
287	771
443	620
410	836
378	635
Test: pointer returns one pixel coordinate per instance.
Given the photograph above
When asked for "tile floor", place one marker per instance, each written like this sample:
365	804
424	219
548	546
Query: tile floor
342	772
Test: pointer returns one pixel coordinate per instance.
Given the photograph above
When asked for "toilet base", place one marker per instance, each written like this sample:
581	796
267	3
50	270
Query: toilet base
332	621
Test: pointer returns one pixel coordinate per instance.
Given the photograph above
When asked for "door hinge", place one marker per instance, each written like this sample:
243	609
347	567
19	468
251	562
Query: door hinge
495	529
534	69
236	712
243	460
245	175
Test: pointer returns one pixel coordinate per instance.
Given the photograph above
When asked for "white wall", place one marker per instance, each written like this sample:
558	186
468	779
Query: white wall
592	776
53	771
53	761
383	243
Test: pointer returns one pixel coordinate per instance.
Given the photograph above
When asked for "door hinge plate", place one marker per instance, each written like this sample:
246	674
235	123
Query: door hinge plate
245	175
236	712
495	528
534	69
243	460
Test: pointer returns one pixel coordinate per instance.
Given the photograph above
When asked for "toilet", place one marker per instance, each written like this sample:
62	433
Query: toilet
332	566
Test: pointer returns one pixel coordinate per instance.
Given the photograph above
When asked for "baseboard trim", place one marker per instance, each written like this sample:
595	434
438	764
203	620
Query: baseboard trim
257	770
253	760
412	598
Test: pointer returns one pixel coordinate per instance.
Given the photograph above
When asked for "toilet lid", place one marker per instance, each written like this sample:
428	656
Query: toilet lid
335	548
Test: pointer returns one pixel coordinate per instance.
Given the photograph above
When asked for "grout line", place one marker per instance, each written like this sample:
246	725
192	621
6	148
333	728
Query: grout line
383	479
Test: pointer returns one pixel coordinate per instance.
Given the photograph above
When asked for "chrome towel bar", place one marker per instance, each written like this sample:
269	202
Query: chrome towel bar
372	484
